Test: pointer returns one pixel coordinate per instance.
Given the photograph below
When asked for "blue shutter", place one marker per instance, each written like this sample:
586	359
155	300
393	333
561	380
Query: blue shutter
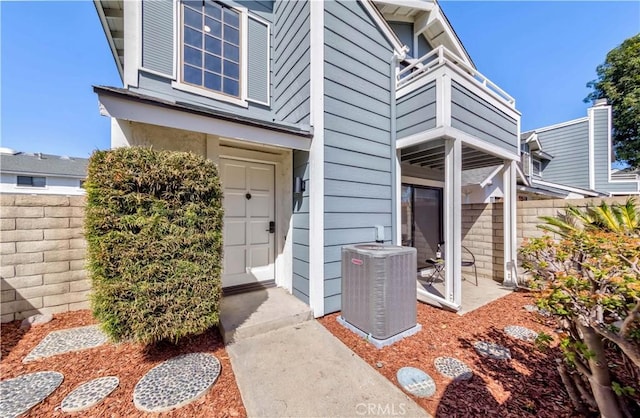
258	83
157	36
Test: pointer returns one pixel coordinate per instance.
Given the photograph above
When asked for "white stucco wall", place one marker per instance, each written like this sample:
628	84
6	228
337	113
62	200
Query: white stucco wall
125	133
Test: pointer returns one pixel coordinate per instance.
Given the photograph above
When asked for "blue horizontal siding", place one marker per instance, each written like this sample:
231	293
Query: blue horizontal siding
473	115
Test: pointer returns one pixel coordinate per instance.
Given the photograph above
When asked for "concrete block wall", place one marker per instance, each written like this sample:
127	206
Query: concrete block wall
482	228
529	211
482	234
42	255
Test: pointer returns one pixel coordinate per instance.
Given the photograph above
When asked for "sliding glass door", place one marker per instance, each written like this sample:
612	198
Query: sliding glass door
421	209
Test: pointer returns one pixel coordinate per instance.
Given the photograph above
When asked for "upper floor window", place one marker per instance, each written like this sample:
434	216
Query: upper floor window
30	181
211	47
536	166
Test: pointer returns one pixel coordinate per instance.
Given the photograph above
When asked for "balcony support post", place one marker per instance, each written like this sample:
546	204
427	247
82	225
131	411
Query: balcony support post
452	220
509	227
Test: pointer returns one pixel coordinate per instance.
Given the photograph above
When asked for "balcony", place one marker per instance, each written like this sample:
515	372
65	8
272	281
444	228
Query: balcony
439	97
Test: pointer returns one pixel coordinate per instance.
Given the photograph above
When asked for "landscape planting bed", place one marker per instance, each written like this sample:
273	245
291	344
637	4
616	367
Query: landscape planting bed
526	385
129	362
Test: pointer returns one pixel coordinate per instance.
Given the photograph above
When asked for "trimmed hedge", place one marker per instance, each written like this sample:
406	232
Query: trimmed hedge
154	230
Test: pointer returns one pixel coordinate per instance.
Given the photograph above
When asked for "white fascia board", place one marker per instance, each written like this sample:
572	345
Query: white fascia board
120	108
436	15
316	160
412	4
561	124
445	132
398	47
107	33
563	187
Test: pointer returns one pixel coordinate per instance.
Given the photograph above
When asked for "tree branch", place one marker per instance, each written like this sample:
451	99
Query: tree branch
628	348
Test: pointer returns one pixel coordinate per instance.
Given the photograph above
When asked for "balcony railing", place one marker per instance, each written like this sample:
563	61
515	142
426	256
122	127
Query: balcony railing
418	68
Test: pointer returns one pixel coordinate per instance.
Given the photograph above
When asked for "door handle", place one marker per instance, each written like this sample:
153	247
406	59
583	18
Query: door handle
272	227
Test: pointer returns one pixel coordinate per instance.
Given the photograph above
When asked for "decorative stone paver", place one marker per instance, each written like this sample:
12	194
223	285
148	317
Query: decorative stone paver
176	382
22	393
534	308
74	339
416	382
520	333
453	368
89	394
492	350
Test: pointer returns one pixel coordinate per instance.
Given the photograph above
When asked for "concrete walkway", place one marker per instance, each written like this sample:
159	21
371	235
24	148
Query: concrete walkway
302	370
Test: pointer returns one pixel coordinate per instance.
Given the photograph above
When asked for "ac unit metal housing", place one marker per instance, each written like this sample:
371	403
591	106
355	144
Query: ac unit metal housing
379	288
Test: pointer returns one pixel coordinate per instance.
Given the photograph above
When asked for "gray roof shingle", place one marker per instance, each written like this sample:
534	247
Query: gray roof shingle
47	164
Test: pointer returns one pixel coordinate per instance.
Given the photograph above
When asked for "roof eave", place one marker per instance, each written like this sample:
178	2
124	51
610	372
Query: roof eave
107	33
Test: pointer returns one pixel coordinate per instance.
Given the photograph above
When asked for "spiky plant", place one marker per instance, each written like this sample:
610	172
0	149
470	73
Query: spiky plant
619	218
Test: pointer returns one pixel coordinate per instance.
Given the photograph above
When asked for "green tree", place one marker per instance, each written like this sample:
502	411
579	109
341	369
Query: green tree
619	82
589	280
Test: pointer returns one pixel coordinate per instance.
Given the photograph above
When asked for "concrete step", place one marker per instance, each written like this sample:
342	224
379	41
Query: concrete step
254	313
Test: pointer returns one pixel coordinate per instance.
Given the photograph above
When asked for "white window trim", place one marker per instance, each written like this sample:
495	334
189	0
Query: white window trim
244	70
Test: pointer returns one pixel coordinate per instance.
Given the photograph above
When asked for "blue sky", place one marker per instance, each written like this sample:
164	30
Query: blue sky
542	53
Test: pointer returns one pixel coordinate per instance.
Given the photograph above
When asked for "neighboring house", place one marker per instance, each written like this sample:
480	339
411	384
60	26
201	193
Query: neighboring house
41	173
329	124
568	160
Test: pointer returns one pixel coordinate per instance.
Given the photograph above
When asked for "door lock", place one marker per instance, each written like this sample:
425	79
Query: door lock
272	227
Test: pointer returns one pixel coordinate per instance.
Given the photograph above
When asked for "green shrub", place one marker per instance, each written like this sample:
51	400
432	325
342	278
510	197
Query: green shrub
154	230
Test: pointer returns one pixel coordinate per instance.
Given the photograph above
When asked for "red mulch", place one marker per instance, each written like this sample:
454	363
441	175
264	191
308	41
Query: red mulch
527	385
127	361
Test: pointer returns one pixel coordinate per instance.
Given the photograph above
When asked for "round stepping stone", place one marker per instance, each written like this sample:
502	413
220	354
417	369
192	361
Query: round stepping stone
530	308
520	333
492	350
176	382
20	394
89	394
453	368
416	382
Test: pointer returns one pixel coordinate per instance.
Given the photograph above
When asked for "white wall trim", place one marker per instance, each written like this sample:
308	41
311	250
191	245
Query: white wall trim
398	197
609	144
561	124
120	108
591	140
316	160
132	16
201	91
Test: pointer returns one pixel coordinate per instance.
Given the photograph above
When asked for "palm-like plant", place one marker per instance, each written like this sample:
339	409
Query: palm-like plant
620	218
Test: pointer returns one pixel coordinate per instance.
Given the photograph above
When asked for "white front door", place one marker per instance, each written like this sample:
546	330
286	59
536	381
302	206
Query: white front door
249	202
